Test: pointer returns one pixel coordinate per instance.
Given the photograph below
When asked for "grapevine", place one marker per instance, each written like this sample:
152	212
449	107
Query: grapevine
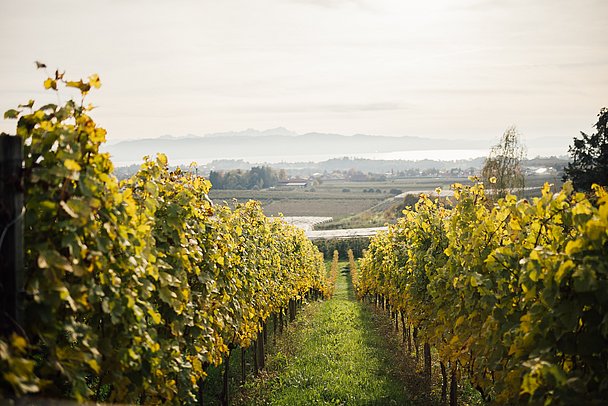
511	294
134	288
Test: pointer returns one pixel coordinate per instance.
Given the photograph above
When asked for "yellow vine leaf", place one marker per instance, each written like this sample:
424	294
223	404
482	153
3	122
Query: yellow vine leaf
94	81
94	365
50	84
18	343
71	165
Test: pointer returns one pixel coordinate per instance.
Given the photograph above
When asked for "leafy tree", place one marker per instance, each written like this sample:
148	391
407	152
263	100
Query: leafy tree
502	170
590	157
258	177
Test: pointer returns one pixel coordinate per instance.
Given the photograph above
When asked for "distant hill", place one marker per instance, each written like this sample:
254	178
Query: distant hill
374	166
279	143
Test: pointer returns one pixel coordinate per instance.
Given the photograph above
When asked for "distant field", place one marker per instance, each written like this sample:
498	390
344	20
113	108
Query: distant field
340	199
335	208
337	199
300	203
295	194
539	180
335	186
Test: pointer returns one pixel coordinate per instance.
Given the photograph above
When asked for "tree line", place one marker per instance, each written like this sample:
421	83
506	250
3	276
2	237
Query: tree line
258	177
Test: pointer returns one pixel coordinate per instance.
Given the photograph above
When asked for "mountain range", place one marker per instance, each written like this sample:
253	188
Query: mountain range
276	144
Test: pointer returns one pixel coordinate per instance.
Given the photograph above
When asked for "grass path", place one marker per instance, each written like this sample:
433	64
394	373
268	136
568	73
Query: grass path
332	355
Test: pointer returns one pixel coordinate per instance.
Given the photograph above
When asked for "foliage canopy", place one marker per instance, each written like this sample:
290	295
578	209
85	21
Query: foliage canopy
513	295
590	157
134	287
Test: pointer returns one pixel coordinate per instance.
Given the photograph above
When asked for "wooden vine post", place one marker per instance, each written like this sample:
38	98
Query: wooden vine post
292	310
444	383
11	233
260	351
225	396
427	364
454	387
404	328
243	366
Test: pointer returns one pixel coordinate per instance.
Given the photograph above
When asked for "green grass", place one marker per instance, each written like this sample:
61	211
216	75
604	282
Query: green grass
332	355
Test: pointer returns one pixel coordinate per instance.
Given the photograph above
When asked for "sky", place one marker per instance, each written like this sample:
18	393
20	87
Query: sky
437	69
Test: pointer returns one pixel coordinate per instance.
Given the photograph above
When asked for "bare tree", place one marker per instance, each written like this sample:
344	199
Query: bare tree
502	171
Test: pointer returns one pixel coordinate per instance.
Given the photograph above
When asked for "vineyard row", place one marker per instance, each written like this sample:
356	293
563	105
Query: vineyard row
512	294
132	289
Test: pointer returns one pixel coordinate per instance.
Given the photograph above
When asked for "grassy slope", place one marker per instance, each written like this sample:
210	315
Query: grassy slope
333	355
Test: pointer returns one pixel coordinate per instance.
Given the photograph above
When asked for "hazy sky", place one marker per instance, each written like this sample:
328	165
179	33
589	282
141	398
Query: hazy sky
451	68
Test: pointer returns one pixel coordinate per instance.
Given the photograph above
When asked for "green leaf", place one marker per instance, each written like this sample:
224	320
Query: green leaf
29	105
585	279
11	114
53	259
68	210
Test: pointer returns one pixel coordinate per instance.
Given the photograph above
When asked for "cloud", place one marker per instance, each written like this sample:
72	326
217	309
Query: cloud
362	107
333	3
324	108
